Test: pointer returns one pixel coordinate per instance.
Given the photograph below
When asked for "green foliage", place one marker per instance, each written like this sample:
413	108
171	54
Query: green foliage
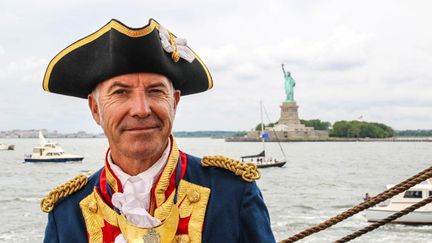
271	124
258	127
414	133
211	134
239	134
317	124
361	129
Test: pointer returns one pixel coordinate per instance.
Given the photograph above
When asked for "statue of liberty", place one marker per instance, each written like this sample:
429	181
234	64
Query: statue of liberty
289	86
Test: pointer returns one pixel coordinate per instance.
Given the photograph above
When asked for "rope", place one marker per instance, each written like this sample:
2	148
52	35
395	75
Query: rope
64	190
385	221
248	171
401	187
275	133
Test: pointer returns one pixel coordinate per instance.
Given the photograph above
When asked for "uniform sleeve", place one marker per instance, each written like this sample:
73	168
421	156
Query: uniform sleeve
51	235
254	217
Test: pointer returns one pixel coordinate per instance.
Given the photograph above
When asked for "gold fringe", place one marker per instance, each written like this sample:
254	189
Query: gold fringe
64	190
248	171
166	174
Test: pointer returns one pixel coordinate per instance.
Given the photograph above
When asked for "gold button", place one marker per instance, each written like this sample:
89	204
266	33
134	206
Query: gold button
93	207
193	196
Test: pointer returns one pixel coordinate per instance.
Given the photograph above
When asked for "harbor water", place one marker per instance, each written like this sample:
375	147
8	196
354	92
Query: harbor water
320	180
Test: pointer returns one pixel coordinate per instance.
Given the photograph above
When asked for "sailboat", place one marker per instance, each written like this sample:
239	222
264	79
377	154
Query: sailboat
261	160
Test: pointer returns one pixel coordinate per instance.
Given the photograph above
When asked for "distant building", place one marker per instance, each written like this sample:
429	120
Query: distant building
34	133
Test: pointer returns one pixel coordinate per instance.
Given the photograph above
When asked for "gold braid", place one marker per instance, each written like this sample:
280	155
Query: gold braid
64	190
248	171
175	54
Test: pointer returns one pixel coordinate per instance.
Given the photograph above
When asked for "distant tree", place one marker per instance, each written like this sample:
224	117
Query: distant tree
317	124
258	127
271	124
340	129
239	134
361	129
353	131
212	134
414	133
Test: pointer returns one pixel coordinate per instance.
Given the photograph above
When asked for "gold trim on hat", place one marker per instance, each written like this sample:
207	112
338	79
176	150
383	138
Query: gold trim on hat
113	24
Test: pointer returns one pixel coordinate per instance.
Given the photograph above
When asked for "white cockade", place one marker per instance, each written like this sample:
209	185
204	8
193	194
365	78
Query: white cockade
173	44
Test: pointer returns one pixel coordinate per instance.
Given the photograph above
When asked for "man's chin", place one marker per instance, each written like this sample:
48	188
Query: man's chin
143	149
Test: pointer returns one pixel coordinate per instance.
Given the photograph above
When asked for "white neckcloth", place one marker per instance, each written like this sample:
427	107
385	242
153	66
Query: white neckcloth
134	201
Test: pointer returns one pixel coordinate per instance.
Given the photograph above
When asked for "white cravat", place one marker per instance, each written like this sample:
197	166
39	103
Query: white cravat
134	201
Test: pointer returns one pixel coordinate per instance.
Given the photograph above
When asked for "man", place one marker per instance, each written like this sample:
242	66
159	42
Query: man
148	190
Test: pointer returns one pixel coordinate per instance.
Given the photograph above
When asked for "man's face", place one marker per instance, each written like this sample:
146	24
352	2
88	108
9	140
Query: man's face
136	112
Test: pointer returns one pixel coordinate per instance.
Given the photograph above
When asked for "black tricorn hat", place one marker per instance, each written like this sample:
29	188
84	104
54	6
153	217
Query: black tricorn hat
117	49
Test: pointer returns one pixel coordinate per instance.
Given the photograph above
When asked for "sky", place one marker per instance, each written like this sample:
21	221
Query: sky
350	59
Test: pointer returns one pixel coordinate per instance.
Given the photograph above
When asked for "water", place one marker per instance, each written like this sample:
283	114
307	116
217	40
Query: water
319	181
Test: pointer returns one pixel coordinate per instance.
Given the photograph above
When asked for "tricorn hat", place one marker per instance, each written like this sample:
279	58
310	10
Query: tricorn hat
117	49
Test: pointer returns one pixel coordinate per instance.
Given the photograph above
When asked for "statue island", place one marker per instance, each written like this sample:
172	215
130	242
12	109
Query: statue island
288	127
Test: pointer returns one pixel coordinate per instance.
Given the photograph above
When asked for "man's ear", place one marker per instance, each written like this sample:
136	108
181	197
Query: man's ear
93	105
177	94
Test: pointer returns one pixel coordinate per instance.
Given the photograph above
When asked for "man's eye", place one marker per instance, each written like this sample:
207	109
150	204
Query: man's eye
156	91
119	91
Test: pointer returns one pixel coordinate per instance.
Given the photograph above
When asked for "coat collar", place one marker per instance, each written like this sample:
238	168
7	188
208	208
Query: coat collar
164	185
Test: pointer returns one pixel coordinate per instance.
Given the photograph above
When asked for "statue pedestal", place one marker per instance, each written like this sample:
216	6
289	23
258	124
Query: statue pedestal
289	114
289	119
289	127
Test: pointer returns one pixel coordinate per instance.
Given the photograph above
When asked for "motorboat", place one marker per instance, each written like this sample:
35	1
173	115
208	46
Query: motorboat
50	152
403	200
4	146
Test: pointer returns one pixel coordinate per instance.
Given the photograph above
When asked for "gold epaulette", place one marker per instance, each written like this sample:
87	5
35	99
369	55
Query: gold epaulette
248	171
62	191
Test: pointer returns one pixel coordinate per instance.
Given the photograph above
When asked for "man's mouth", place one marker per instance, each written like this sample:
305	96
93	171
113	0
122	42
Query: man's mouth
141	128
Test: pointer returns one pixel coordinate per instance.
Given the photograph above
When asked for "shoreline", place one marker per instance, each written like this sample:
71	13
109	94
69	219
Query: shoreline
396	139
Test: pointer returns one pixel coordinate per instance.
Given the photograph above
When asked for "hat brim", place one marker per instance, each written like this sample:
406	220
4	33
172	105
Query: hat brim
117	49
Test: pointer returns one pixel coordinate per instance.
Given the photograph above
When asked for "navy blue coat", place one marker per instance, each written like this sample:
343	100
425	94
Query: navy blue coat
235	211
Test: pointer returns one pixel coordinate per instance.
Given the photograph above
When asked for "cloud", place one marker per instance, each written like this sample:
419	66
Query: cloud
348	58
343	50
26	70
221	58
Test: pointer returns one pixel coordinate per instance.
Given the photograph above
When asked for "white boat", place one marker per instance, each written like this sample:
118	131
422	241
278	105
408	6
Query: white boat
50	152
261	160
403	200
4	146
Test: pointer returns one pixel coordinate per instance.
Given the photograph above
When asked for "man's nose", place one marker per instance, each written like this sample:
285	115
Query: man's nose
140	106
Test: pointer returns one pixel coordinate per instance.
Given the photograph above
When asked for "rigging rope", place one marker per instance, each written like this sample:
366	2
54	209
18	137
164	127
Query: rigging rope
385	221
274	132
401	187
